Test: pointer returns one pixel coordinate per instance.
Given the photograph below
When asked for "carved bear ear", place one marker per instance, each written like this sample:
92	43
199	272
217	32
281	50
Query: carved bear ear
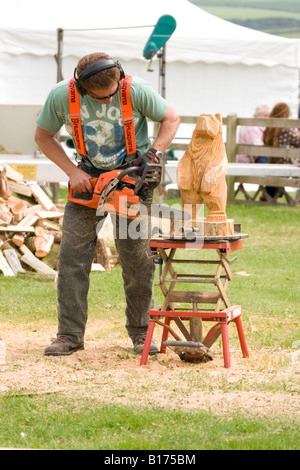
219	117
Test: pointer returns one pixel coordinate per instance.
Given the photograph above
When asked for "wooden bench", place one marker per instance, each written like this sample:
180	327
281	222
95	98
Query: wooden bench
260	174
263	174
277	175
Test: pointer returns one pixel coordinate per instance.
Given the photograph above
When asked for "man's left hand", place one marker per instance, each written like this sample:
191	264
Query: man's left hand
151	156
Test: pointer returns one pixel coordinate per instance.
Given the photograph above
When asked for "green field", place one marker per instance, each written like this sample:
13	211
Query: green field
270	16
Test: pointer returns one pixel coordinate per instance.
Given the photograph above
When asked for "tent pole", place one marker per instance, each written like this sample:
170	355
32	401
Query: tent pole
162	71
59	78
162	90
58	56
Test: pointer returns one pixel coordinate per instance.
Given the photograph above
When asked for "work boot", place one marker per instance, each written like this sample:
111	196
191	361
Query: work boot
62	346
138	345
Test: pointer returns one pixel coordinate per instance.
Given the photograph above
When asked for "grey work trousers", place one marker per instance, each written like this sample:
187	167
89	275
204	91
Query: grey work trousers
80	228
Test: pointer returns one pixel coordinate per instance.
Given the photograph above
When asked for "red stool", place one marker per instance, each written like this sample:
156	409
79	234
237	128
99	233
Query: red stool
164	318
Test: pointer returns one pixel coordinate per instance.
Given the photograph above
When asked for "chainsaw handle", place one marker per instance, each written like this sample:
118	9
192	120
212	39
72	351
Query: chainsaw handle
127	171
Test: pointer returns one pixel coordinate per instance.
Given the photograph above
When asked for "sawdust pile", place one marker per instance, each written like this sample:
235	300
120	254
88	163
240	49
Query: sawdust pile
108	371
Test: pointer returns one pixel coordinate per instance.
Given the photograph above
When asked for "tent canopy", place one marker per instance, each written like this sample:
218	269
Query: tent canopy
226	67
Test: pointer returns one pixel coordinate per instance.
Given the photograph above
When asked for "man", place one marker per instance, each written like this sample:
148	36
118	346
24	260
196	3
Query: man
97	79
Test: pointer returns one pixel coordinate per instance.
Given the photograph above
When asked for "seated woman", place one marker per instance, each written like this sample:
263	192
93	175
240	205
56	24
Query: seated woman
253	135
281	137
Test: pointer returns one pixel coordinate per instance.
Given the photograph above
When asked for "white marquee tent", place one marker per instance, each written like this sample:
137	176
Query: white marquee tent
212	65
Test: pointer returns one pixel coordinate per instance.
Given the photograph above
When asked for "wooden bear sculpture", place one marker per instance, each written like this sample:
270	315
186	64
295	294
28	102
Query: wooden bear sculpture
201	175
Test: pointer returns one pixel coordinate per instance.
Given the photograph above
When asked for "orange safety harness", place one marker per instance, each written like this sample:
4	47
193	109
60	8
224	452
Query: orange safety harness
126	107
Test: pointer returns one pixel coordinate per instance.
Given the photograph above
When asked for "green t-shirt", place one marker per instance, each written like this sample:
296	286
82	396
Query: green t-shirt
102	124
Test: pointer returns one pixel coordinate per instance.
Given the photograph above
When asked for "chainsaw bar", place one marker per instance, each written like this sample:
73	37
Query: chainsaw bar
161	211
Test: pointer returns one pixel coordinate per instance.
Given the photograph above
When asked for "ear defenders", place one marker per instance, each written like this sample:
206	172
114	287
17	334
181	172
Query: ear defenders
93	69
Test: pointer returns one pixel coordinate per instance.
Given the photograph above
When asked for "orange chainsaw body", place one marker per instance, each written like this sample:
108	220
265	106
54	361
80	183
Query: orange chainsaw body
118	200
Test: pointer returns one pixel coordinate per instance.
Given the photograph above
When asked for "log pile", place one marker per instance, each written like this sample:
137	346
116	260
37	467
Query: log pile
30	228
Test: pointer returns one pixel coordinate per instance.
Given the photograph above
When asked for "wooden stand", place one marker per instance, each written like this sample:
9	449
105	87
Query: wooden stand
196	345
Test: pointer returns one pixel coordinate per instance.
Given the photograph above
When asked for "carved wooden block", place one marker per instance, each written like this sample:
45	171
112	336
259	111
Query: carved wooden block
201	175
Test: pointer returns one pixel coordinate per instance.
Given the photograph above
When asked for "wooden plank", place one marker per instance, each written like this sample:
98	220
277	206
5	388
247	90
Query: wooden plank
13	174
42	197
28	221
269	122
4	266
37	264
15	228
263	169
20	188
194	296
13	260
49	214
269	181
261	150
97	267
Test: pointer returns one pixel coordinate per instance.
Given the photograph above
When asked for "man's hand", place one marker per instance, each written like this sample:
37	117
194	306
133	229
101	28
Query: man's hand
80	181
151	156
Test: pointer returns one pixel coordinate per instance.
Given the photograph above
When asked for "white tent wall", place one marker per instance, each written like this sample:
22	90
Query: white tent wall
212	65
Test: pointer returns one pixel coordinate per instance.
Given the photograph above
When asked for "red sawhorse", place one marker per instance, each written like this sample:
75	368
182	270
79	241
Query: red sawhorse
196	345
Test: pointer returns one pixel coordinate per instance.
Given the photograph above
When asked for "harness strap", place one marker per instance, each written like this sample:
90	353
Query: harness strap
74	106
127	114
128	121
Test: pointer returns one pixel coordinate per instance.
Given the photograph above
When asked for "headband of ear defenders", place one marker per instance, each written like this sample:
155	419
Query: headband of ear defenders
98	67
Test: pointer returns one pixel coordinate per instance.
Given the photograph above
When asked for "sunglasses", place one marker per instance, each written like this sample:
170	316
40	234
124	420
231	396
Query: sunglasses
105	97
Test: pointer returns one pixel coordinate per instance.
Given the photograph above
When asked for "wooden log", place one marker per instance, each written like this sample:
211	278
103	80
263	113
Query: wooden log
18	239
43	245
57	235
219	228
39	230
52	258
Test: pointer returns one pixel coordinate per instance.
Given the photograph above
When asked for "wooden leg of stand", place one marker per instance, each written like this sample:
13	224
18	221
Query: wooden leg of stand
148	340
225	343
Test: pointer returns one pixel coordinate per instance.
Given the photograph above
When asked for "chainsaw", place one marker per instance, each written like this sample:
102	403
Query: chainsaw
123	194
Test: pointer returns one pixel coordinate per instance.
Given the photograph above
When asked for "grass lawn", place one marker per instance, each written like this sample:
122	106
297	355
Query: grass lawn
100	398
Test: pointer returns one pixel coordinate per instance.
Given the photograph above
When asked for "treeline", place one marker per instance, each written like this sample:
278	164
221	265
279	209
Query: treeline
279	5
274	25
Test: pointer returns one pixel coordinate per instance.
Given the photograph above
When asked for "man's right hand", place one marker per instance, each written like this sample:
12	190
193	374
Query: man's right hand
80	181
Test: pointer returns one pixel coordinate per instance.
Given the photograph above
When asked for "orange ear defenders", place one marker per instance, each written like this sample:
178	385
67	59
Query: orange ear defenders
95	68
